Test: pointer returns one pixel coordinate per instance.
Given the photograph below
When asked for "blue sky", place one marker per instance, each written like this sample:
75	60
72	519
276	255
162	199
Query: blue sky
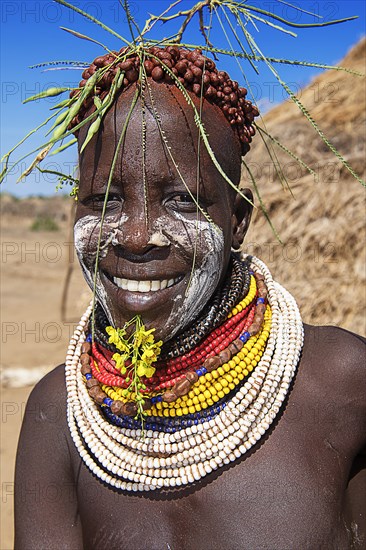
30	34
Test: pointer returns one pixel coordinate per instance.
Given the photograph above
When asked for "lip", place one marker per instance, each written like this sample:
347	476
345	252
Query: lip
140	300
145	285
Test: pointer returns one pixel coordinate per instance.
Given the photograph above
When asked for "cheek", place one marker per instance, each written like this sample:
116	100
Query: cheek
87	235
204	243
209	251
194	239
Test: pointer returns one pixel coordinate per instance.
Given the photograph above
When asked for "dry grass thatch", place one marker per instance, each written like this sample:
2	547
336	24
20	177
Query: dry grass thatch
322	260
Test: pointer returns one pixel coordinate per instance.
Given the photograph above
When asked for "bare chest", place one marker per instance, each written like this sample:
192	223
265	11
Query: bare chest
281	496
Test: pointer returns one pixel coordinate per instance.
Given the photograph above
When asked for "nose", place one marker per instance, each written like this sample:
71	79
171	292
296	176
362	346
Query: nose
138	241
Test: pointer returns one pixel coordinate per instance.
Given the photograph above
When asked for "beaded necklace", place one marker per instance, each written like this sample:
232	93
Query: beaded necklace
219	418
214	313
107	384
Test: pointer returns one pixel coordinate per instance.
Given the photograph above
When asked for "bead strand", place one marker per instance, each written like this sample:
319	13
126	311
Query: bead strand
119	456
203	395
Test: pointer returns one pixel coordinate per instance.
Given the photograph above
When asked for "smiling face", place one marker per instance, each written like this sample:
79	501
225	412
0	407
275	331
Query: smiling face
159	257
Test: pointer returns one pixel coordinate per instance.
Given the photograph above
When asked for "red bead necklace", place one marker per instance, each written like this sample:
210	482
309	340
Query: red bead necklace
169	373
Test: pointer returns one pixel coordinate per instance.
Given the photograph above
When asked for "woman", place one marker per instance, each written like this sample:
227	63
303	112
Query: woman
186	426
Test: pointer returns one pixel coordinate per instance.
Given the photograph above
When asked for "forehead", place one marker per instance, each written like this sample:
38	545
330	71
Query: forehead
161	141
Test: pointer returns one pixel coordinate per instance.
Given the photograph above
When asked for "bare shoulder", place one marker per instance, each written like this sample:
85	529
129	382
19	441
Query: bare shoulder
45	413
50	389
336	352
331	380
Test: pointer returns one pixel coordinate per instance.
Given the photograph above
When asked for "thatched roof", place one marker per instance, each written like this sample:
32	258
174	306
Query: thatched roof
323	259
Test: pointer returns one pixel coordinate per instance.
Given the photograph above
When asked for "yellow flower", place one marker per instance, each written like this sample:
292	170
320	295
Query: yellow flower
143	369
119	360
143	336
150	355
115	337
123	347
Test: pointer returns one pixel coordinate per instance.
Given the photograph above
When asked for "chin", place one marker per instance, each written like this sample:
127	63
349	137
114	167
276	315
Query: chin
153	300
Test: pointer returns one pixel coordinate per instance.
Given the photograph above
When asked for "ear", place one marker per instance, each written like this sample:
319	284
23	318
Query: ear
240	219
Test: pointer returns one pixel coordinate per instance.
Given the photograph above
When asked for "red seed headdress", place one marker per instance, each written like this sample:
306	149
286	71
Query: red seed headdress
179	66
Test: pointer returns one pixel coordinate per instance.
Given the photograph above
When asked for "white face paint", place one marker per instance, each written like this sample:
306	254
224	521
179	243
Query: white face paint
206	272
198	285
86	238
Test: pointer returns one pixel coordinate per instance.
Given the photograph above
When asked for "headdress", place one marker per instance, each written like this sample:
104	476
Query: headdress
172	65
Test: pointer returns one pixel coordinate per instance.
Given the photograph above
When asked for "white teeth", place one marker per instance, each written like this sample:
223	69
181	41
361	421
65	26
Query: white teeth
132	286
155	285
144	286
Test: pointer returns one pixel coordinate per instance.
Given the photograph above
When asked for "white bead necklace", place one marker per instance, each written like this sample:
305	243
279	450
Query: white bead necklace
124	459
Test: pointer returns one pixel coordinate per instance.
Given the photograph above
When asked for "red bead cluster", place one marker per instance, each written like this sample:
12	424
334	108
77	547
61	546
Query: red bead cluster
197	73
169	373
217	341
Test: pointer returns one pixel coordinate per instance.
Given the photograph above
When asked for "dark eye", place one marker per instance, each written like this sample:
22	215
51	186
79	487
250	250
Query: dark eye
96	202
182	202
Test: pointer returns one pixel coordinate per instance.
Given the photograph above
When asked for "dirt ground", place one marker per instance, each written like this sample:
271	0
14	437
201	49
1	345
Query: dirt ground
34	335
